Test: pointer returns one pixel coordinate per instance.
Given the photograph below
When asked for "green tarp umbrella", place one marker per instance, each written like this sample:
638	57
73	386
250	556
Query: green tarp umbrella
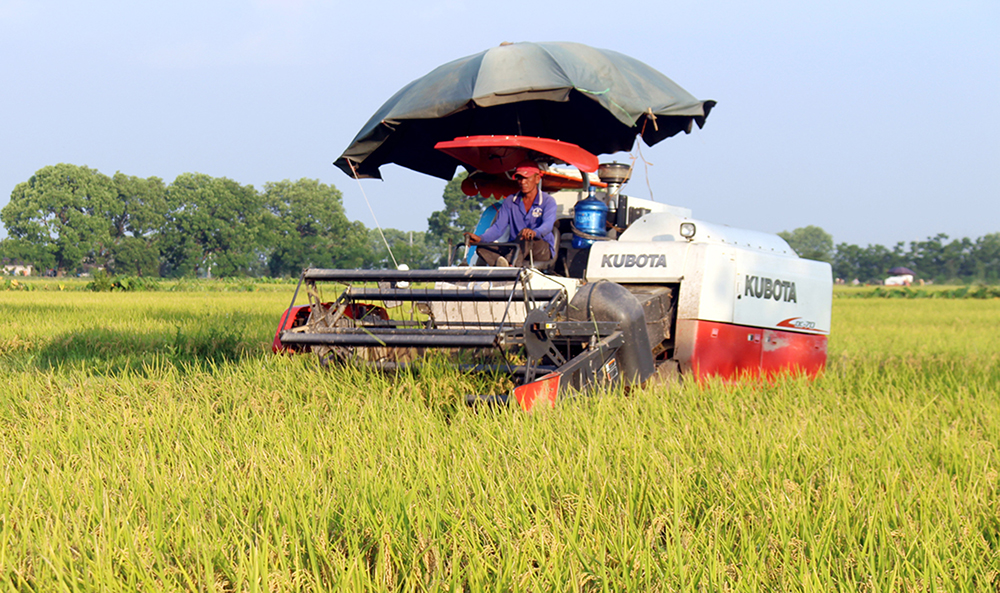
595	98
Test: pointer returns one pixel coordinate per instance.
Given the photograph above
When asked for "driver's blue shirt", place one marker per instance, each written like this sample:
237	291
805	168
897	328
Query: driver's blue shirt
539	218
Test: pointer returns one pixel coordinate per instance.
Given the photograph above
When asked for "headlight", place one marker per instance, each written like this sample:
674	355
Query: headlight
687	230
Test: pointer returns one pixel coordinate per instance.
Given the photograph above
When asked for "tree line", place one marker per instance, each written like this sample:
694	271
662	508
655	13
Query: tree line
68	218
938	259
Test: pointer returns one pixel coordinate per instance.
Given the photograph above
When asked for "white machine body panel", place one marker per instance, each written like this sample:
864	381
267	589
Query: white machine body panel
666	226
778	293
726	275
705	273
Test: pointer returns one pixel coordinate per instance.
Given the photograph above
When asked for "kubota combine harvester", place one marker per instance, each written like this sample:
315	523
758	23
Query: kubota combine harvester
638	289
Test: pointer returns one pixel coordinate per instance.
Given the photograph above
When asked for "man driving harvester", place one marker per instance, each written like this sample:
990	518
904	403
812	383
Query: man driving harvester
527	215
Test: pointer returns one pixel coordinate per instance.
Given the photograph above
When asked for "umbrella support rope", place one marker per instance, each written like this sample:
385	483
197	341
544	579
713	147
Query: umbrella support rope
604	92
370	209
638	148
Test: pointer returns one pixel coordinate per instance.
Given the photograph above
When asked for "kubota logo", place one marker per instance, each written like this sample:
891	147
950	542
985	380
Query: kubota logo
631	260
770	288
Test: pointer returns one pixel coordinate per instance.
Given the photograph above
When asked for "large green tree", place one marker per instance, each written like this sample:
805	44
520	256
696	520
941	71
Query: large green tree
460	214
59	217
309	228
810	242
866	264
408	247
937	258
986	257
214	226
135	226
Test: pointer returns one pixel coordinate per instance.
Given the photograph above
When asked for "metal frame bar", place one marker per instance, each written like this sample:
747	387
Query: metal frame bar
466	274
449	295
392	339
558	338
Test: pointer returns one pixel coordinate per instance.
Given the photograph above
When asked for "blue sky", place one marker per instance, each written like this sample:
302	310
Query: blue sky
875	121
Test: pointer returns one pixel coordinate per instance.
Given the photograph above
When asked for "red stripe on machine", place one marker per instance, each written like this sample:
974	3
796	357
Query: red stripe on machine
543	390
735	352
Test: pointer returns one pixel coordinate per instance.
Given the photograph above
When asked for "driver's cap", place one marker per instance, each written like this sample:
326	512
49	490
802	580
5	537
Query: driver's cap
527	168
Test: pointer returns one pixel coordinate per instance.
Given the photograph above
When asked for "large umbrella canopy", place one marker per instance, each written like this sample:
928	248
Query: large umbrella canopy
595	98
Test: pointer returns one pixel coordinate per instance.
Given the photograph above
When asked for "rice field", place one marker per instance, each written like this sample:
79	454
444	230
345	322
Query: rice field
151	442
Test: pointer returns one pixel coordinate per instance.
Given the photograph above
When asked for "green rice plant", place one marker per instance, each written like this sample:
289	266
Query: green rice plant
132	466
980	291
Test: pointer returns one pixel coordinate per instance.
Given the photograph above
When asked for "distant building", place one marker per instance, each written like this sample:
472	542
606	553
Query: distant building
16	269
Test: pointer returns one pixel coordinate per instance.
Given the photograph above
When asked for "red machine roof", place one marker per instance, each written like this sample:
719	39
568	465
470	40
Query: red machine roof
497	154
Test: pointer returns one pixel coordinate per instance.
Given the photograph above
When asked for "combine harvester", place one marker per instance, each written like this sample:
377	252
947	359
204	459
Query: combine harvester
639	290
